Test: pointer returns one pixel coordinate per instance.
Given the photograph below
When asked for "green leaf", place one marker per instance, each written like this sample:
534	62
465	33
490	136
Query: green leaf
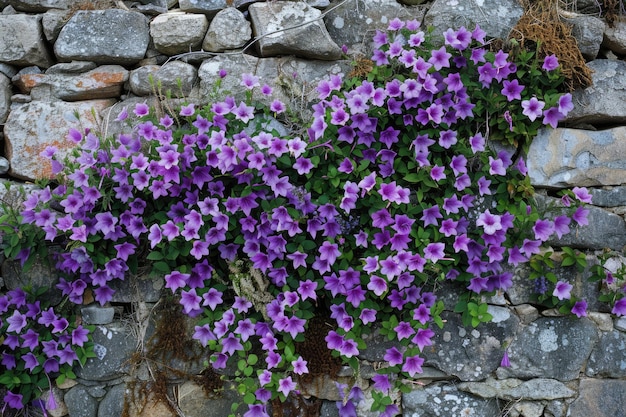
154	256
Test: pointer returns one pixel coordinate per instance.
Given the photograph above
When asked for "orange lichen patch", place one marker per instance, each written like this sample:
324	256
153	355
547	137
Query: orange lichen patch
100	79
27	82
42	165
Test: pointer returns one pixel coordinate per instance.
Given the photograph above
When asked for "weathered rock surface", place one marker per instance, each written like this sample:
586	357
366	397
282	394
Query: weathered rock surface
599	398
110	36
208	7
589	33
604	102
470	354
615	37
23	41
513	389
551	347
496	17
292	28
352	23
442	399
608	358
175	33
229	29
113	346
32	127
105	81
52	23
563	157
80	403
177	77
5	97
37	6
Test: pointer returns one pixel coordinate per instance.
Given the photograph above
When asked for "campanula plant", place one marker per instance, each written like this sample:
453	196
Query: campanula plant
408	177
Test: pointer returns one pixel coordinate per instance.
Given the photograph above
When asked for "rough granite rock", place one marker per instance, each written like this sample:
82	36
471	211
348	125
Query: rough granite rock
113	345
23	41
604	102
615	37
176	33
207	7
588	32
445	400
608	358
354	22
513	389
564	157
228	30
496	17
5	97
177	77
599	398
110	36
470	354
80	403
551	347
105	81
291	28
39	6
34	126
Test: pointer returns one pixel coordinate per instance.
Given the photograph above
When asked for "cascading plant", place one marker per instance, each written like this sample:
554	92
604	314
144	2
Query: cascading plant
410	176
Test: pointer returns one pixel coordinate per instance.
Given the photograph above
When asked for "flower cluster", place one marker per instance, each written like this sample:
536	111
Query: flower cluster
38	346
397	186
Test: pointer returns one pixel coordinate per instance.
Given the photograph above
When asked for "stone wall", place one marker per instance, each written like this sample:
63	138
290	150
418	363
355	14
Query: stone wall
64	58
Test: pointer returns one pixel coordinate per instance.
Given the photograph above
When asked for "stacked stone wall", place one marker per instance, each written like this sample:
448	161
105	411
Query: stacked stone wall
62	58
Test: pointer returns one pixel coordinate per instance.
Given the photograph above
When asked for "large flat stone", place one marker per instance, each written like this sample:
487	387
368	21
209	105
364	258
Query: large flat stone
563	157
34	126
112	36
604	102
103	82
282	30
599	398
496	17
22	40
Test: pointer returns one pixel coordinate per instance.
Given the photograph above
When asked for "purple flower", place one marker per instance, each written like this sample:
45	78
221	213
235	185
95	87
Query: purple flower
565	104
393	356
187	110
286	385
491	223
175	280
582	194
307	289
404	330
423	338
550	63
440	58
477	142
212	298
434	251
533	108
256	410
430	216
382	383
512	90
580	308
580	216
16	322
413	365
505	362
543	229
552	116
13	400
562	290
141	109
249	81
299	366
619	308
